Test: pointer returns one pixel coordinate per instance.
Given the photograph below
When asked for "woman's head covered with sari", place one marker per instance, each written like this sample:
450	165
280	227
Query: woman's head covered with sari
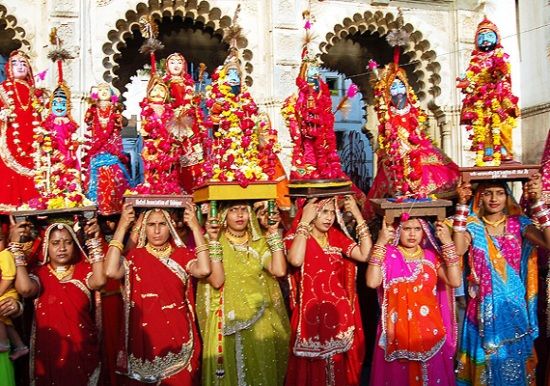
253	226
511	207
60	227
174	237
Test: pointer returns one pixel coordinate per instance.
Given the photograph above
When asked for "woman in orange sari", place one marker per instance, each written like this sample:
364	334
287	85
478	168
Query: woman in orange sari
161	340
416	337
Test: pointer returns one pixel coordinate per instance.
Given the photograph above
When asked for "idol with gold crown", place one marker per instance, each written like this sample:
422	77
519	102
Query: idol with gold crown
489	107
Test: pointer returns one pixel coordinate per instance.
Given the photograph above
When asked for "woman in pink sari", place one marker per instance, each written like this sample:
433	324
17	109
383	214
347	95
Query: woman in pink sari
161	340
416	336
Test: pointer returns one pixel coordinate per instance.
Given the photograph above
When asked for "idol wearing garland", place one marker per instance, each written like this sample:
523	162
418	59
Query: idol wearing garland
20	109
489	108
186	125
107	177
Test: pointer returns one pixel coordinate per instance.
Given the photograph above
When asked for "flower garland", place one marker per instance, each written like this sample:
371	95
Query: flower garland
160	155
57	171
489	108
233	150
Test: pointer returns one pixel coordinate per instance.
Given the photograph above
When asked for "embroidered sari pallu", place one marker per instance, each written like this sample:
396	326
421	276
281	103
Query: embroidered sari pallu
327	343
64	339
415	337
161	344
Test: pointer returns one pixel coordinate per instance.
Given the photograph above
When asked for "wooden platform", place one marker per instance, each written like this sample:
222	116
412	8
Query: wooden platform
392	210
319	188
226	191
506	172
21	215
157	200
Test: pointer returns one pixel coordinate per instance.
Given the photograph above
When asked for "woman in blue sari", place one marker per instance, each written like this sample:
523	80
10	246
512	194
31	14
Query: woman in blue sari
501	321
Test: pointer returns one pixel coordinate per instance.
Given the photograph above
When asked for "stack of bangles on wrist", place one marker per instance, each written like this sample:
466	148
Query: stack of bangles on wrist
461	215
216	251
201	248
16	250
95	250
541	214
377	255
303	229
362	231
450	256
116	244
274	242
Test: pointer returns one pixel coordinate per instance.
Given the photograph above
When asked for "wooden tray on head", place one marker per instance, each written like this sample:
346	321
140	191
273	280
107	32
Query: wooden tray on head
157	200
506	172
423	208
228	191
21	215
319	188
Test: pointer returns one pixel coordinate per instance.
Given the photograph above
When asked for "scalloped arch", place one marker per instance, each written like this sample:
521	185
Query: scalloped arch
198	11
11	25
426	68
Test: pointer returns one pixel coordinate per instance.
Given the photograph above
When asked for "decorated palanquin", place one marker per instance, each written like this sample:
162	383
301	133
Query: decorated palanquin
20	109
489	108
186	126
104	162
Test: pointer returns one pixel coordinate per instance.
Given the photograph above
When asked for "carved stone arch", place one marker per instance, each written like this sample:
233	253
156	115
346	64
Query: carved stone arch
417	58
17	34
200	12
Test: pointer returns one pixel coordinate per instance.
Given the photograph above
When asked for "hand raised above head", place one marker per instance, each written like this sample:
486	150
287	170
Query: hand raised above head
464	192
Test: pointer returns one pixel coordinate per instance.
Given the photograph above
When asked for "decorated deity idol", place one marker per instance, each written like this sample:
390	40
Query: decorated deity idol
409	165
20	109
104	162
489	108
186	125
57	170
160	156
233	151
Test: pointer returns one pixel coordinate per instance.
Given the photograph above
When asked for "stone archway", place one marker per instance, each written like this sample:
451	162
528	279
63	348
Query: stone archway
365	34
198	14
12	36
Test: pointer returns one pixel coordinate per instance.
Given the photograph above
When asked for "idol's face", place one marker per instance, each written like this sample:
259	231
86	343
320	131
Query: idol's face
157	230
233	77
237	218
61	247
59	106
325	217
398	93
104	92
313	75
175	66
486	40
157	94
411	233
493	199
19	67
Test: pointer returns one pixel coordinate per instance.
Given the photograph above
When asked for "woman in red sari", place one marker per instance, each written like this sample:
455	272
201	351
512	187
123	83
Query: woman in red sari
19	116
64	338
161	341
327	343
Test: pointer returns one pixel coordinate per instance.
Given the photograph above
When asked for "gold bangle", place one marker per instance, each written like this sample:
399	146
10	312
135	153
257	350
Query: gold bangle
117	244
201	248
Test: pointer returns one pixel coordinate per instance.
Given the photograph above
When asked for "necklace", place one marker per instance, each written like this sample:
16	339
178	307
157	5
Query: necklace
417	254
160	252
25	106
321	239
236	238
61	272
103	115
495	223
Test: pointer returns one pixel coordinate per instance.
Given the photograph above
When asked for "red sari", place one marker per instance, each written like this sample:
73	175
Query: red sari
327	342
64	339
161	342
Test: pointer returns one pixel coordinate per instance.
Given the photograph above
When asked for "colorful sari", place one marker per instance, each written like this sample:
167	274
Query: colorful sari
501	317
327	342
64	337
416	335
161	342
245	321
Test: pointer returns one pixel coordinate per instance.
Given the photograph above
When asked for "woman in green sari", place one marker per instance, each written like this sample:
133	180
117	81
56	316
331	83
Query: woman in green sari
240	307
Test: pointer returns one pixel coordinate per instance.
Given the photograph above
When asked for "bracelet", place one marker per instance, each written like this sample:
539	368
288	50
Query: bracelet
95	250
96	260
448	252
20	261
378	254
216	251
201	248
275	242
302	232
541	214
117	244
461	215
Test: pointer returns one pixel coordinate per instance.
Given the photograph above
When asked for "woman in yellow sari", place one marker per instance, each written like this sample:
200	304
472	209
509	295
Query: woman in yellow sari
240	307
